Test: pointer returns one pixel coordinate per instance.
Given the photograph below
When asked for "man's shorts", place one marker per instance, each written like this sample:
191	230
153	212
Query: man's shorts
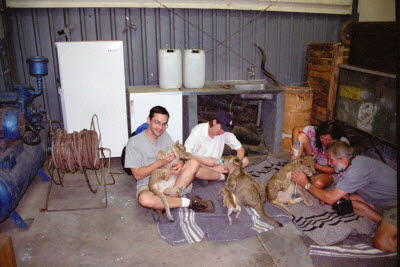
142	187
390	214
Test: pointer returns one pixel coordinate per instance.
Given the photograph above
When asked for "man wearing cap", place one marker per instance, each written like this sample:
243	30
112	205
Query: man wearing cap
207	140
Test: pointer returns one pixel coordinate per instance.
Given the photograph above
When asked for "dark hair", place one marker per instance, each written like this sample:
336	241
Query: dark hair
210	122
327	127
159	110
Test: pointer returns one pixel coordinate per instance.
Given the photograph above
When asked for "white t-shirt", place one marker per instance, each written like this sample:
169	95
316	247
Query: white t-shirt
202	146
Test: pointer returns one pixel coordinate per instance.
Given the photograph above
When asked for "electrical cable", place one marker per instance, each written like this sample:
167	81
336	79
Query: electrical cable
219	42
78	151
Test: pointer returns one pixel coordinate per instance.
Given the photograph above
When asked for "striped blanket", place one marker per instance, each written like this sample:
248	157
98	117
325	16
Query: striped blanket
319	222
358	251
355	250
322	224
191	227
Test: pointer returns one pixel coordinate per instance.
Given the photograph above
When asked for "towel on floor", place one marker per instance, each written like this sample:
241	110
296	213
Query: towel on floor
355	250
322	224
191	227
319	222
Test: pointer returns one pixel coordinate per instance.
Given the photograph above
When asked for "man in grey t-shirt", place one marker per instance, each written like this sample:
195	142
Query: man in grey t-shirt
371	186
141	158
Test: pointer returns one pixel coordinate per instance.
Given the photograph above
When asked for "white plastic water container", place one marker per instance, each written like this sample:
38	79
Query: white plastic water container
170	68
194	68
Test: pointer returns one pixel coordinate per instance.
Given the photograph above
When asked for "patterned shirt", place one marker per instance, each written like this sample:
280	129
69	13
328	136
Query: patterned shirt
320	156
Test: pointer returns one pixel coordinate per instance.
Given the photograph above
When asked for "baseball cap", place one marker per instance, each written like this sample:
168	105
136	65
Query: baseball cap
225	119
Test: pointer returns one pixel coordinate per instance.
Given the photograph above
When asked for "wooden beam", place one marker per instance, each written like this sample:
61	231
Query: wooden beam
304	6
337	60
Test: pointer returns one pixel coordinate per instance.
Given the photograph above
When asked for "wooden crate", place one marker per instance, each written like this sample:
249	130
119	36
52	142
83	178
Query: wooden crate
322	73
298	105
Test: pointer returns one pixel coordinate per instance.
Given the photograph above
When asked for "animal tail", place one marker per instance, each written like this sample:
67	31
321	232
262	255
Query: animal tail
260	210
166	206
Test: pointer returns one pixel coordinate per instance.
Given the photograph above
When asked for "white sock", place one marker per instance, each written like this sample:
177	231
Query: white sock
222	177
185	202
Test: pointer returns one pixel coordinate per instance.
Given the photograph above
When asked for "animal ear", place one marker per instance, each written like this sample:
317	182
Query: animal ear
312	155
176	143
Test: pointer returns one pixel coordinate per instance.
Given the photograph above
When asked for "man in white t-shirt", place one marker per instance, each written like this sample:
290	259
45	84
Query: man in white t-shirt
207	140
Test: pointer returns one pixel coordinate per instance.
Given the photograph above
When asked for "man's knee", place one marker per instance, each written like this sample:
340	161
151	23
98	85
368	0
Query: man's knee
192	164
321	180
385	243
145	200
379	242
318	184
303	138
386	237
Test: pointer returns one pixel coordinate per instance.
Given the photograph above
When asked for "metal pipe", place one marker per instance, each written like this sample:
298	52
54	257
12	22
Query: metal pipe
259	109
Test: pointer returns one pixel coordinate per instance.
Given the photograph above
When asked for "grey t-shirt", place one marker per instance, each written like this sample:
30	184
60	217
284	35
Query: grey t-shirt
373	180
141	152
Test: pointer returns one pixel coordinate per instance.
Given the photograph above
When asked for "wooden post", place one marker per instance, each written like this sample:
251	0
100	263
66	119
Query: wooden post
337	60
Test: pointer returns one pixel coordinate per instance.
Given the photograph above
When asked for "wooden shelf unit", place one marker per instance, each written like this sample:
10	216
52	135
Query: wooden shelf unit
322	73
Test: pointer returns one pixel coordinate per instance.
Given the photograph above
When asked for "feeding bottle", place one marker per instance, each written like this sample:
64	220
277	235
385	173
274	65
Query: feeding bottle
296	148
218	161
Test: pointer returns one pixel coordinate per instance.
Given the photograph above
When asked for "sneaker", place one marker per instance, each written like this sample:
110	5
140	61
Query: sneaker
199	205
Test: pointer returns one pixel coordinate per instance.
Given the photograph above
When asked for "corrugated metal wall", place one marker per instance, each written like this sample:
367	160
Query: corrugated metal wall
5	65
282	35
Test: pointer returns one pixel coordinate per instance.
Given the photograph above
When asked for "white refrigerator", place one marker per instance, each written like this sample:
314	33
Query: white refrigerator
93	82
143	99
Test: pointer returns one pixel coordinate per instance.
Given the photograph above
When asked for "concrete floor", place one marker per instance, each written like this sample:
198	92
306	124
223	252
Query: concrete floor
124	234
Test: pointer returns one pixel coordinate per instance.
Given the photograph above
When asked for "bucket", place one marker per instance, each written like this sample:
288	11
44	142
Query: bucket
194	68
298	106
170	68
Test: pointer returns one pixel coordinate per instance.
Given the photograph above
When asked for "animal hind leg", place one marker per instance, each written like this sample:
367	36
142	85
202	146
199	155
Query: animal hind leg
305	197
230	210
238	210
173	190
294	201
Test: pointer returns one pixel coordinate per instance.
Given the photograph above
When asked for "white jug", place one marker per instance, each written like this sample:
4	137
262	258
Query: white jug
194	68
170	68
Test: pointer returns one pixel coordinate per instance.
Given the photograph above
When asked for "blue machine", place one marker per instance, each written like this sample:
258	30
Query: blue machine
22	141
